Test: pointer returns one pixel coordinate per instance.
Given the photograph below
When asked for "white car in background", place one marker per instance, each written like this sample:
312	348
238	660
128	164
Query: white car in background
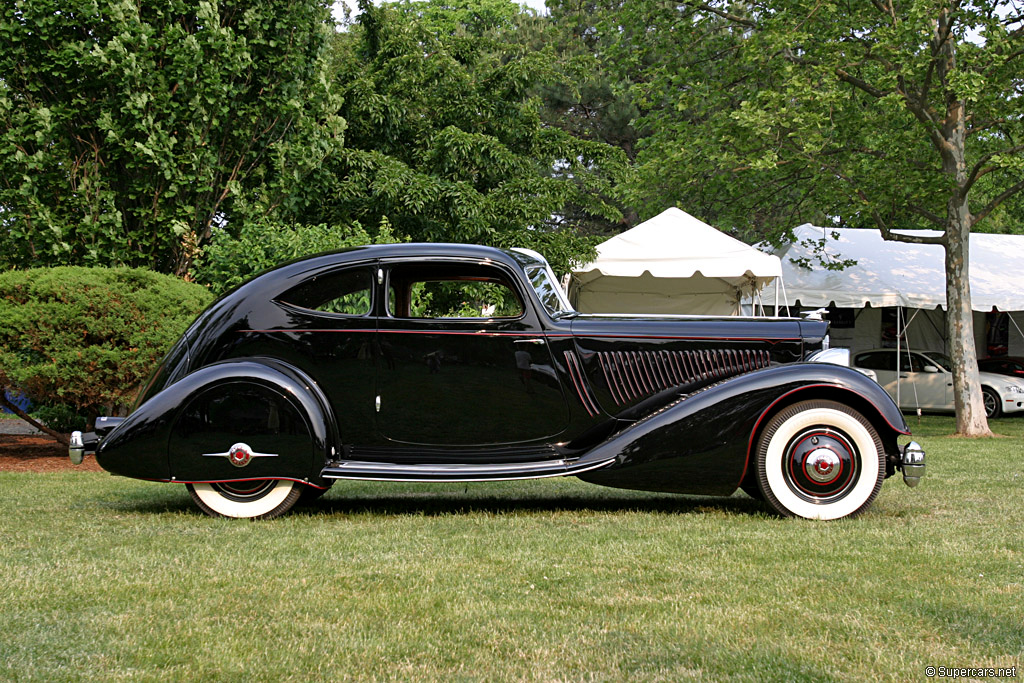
839	356
926	381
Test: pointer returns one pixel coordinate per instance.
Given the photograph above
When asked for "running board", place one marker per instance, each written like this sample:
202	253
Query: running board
386	471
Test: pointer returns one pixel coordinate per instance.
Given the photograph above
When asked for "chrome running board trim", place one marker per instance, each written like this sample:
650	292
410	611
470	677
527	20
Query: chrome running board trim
453	472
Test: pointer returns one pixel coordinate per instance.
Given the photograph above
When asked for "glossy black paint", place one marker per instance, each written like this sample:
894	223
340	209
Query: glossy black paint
166	438
703	442
669	404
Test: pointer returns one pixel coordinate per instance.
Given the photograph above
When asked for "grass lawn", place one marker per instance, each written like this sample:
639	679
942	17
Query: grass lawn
113	579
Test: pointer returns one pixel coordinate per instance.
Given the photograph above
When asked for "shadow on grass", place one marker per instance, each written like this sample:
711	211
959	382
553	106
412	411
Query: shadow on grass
431	505
439	504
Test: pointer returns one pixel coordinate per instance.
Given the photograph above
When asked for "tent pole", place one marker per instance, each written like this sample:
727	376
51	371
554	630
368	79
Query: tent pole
906	338
899	349
777	296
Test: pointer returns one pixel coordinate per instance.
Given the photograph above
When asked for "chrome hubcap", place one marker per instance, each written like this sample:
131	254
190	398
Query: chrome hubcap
821	464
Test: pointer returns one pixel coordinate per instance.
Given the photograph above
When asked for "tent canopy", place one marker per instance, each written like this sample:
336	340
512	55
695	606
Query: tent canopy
672	263
897	273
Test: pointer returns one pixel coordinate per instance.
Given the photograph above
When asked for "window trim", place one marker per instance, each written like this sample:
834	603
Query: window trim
509	279
372	289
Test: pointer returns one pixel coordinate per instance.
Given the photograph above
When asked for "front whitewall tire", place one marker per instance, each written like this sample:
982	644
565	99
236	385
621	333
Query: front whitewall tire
819	460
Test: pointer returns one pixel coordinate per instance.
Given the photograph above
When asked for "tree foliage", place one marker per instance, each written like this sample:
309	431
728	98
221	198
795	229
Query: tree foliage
231	259
593	101
88	337
445	137
885	114
129	129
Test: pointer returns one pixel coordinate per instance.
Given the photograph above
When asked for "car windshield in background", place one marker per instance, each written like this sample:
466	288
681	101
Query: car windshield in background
548	291
941	360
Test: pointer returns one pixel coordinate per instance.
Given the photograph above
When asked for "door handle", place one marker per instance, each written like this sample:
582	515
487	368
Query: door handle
903	376
539	340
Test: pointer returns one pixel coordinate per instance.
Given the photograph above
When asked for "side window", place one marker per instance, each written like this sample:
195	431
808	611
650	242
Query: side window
917	363
876	360
346	292
451	291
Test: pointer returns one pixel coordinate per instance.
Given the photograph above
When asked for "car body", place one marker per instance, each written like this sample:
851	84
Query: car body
433	362
926	381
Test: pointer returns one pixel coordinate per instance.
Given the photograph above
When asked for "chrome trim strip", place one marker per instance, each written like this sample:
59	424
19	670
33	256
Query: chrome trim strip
449	467
369	477
252	454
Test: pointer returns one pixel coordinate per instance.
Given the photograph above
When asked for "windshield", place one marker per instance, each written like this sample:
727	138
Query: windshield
548	291
941	360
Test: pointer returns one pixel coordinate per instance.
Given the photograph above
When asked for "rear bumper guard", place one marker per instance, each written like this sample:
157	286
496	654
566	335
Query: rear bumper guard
85	443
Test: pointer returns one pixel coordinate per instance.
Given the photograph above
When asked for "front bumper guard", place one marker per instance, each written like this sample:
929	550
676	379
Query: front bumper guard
912	463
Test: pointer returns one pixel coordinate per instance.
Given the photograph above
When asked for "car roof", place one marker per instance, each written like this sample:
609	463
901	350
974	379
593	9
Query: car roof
414	249
273	281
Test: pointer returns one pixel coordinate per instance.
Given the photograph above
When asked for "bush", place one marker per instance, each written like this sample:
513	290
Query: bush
60	418
86	338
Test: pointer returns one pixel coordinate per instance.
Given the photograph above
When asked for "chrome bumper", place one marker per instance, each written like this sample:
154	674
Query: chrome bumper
83	444
80	445
912	463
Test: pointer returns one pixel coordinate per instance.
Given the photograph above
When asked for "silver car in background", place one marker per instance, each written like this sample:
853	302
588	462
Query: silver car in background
926	381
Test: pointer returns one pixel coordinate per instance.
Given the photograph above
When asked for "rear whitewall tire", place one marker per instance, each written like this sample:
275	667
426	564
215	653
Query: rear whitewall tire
860	467
262	499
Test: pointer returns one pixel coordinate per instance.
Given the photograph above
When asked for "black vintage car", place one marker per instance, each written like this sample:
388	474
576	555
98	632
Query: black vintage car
433	362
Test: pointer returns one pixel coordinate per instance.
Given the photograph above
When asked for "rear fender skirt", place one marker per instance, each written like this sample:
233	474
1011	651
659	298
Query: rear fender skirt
702	443
186	432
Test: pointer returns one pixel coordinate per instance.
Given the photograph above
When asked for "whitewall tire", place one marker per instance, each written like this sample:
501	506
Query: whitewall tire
819	460
258	499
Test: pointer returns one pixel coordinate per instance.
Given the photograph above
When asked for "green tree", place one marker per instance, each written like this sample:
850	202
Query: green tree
882	114
231	259
445	137
592	101
130	129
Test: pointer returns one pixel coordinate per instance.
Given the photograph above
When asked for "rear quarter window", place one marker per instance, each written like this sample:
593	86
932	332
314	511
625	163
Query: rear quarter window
346	292
877	360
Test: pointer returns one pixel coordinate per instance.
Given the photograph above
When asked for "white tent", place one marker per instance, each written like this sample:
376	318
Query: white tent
892	274
672	263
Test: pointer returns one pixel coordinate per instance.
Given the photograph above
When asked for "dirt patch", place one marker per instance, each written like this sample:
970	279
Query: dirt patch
33	453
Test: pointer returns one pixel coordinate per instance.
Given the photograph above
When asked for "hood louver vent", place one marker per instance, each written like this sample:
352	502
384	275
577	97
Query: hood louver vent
635	375
580	384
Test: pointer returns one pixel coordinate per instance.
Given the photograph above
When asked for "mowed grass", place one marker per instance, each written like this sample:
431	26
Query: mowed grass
112	579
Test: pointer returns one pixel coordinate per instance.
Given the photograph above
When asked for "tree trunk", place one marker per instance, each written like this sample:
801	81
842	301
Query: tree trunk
57	436
967	397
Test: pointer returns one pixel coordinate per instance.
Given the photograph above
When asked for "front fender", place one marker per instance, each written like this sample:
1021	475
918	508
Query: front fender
270	406
703	443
